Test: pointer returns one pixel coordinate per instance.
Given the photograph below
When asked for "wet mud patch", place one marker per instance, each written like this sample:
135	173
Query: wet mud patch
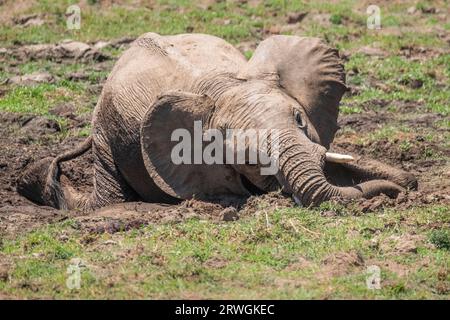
65	50
414	142
426	160
25	139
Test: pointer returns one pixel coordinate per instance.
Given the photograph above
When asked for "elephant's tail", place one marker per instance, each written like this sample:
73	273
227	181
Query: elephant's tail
40	183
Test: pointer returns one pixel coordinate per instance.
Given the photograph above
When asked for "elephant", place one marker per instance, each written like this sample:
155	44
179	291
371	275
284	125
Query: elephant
163	83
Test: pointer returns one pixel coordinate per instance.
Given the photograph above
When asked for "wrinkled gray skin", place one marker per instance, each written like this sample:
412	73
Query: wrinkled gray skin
163	83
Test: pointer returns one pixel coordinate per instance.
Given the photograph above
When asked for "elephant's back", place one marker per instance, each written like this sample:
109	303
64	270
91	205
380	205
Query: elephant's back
155	64
151	66
207	53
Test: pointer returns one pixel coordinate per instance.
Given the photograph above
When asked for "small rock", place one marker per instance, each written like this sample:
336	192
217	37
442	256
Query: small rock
411	10
77	76
295	17
229	214
101	44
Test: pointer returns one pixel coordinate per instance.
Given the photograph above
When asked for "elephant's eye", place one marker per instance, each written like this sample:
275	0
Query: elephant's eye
299	121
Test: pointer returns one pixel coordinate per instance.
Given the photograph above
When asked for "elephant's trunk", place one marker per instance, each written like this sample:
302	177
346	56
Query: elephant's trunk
301	166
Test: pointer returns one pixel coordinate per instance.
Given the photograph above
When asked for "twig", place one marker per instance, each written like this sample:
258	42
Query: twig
267	219
293	226
305	229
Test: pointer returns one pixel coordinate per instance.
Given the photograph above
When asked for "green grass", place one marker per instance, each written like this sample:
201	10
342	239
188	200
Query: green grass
441	239
396	73
40	98
233	260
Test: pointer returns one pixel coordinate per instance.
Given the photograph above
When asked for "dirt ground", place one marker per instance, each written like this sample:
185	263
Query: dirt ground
28	138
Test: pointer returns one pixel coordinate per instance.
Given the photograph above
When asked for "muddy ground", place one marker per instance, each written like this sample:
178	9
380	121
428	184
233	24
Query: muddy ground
25	138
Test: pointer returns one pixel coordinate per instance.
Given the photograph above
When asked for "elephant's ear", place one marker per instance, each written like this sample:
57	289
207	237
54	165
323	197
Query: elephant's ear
308	70
174	116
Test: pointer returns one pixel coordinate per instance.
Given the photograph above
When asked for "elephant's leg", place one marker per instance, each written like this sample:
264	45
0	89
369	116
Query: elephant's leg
109	185
363	169
44	184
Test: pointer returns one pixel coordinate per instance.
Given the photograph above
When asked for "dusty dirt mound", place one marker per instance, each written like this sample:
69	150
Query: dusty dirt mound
67	49
340	263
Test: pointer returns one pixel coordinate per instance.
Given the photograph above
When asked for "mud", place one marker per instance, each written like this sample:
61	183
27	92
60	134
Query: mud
412	150
27	138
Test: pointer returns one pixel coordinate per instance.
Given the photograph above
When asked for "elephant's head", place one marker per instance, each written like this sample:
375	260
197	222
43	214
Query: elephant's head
291	85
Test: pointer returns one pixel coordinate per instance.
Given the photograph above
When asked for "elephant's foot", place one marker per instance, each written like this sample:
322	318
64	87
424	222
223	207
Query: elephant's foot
43	184
32	184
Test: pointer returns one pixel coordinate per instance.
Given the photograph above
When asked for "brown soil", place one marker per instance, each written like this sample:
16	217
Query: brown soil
26	138
425	158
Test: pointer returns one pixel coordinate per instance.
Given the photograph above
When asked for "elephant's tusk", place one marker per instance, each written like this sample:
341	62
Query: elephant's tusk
338	158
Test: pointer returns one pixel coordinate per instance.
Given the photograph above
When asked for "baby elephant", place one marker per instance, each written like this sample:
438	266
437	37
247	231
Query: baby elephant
196	87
